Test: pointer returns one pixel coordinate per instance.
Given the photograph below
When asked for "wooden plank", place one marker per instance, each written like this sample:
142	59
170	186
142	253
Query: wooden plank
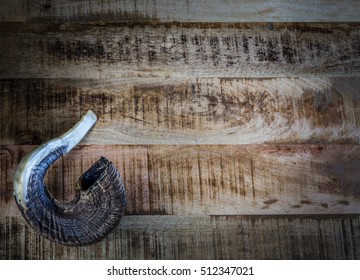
199	237
211	180
176	50
181	10
13	11
184	111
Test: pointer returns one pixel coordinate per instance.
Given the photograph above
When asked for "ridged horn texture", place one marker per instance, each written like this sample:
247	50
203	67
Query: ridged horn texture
99	202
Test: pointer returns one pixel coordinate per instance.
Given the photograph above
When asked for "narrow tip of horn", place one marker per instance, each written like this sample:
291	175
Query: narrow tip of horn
91	115
73	136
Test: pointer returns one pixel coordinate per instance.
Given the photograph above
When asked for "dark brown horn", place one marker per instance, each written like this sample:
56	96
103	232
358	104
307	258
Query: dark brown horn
99	202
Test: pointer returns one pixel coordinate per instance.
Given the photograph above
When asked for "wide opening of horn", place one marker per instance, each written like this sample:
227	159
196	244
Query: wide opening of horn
93	174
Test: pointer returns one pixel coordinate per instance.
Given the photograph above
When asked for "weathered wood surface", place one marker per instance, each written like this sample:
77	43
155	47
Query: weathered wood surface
180	10
187	111
211	180
178	50
199	237
282	77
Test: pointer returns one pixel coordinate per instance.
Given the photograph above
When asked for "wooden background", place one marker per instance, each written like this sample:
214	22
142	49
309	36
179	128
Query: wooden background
235	124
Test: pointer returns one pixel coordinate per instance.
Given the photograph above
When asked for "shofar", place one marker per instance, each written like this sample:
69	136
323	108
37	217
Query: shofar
99	202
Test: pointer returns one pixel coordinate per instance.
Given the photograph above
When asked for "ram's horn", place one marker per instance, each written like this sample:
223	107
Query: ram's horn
99	202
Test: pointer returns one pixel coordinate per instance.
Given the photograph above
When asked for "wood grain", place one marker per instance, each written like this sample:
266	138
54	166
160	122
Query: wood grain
178	50
199	237
184	111
181	10
243	115
211	180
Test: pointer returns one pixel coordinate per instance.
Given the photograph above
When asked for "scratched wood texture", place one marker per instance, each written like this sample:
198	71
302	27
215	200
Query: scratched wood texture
211	179
234	125
180	10
199	237
184	111
178	50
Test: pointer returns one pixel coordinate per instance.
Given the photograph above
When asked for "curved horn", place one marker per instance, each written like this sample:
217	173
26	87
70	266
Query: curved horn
99	202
